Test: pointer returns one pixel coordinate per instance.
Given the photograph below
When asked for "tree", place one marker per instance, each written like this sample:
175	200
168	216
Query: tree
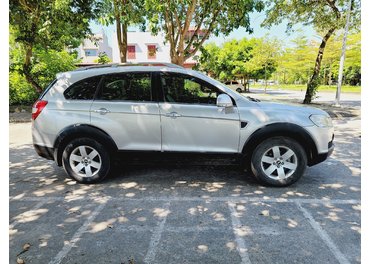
330	63
352	74
208	60
205	17
49	24
122	13
240	59
264	56
46	64
325	15
295	62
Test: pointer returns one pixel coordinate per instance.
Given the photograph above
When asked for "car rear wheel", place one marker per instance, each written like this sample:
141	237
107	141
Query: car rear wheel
239	90
86	160
279	161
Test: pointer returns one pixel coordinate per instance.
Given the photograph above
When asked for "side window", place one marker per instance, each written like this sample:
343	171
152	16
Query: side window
83	90
179	88
126	87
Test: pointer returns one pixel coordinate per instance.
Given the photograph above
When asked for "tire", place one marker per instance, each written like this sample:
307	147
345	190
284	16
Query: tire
278	161
86	160
239	90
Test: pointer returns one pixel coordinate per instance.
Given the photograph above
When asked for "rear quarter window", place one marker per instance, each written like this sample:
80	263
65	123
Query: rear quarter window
83	90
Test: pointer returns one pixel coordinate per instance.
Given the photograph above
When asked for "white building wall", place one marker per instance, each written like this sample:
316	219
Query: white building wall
101	45
141	40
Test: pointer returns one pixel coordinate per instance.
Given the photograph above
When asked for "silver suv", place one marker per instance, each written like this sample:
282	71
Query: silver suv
85	118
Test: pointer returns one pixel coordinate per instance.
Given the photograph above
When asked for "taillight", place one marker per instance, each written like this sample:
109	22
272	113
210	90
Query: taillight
37	108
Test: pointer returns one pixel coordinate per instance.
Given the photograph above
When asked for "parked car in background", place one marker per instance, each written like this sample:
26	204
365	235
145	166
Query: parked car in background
235	85
87	117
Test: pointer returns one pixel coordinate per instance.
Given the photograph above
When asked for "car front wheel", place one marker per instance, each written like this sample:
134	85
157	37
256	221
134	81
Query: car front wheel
86	160
279	161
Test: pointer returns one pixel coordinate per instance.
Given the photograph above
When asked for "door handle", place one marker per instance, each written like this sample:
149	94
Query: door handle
173	115
102	111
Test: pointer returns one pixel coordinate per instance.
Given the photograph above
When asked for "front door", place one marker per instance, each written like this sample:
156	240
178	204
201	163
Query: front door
191	120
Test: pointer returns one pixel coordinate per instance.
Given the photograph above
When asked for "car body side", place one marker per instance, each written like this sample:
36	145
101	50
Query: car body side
63	118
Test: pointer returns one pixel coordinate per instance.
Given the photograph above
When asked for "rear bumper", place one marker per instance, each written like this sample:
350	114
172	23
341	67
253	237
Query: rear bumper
45	152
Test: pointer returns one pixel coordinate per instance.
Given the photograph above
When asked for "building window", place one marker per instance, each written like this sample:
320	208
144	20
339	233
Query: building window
152	52
91	52
131	52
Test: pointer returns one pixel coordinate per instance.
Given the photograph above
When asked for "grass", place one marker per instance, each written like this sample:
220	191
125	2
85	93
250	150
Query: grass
303	87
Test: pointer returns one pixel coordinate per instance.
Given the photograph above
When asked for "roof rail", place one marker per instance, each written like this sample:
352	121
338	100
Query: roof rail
97	66
166	64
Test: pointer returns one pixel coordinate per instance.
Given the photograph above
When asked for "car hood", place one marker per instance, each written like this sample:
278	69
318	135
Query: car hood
256	113
291	108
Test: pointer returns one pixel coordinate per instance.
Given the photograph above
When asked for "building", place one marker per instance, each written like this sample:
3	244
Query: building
141	47
89	50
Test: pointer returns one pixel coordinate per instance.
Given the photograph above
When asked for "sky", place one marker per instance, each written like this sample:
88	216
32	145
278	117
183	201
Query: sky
255	20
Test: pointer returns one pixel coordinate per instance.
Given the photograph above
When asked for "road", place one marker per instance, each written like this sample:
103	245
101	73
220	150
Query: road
185	213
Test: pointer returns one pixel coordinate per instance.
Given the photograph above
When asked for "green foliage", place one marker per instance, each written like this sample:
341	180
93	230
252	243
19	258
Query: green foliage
45	65
323	14
54	24
43	27
130	12
326	16
102	58
20	91
244	59
352	75
208	60
287	65
48	63
205	17
296	63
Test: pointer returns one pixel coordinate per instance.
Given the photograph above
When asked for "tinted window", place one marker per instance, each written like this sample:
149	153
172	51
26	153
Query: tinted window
126	87
83	90
181	88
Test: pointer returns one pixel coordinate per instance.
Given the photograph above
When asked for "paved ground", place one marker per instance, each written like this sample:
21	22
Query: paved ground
186	213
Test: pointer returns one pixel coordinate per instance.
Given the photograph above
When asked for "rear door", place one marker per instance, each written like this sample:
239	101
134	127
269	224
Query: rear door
127	109
191	120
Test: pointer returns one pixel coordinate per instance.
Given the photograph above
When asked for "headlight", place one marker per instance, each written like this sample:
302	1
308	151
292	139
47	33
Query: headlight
321	120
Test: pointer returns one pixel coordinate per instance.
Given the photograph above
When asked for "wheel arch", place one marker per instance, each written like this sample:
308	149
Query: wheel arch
78	131
288	130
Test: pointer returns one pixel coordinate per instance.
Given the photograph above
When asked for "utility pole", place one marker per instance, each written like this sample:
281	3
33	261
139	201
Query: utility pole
343	55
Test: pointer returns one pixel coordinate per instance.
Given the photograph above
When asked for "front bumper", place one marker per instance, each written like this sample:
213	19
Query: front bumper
320	157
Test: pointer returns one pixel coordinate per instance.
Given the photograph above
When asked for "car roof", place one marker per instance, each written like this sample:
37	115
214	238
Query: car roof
90	71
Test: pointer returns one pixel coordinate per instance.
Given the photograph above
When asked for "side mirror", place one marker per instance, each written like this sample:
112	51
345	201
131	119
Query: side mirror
223	100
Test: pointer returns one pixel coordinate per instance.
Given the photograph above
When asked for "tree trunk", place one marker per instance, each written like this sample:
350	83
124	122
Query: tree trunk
121	33
177	59
313	83
27	70
122	40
